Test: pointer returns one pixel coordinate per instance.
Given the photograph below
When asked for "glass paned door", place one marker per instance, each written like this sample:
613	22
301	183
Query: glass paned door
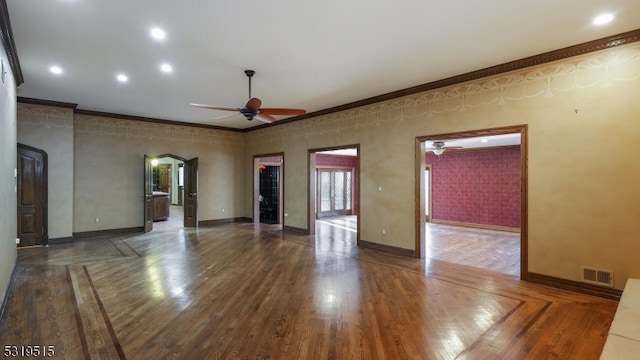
335	192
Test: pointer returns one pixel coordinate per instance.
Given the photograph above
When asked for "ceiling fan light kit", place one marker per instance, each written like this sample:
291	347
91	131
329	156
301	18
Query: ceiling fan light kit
438	147
252	109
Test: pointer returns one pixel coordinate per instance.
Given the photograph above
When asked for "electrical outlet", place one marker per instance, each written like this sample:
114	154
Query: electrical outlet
222	210
17	241
384	232
97	220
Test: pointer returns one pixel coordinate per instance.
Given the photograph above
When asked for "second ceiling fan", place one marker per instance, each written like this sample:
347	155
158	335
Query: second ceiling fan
252	109
438	147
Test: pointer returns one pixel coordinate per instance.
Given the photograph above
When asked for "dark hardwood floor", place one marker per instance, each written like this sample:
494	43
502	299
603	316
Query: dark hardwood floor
239	291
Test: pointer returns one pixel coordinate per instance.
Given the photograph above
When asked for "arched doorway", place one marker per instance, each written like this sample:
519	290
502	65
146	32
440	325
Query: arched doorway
171	190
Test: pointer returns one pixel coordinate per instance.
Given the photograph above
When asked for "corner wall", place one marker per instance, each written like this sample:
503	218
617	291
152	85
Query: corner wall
51	129
108	169
8	156
583	173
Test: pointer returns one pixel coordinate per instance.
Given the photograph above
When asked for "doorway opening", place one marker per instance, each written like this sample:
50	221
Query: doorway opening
268	190
334	195
170	192
471	193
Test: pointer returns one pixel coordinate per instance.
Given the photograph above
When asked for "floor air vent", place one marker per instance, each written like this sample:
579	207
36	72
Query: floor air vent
597	276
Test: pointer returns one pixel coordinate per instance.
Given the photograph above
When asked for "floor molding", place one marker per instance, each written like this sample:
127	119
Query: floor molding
387	248
296	230
218	222
575	286
60	240
86	234
477	226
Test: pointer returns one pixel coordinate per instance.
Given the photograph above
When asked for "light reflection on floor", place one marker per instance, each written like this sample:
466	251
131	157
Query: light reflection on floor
492	250
174	221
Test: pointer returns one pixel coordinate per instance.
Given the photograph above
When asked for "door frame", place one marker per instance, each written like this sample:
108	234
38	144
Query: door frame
428	181
312	188
44	184
420	165
256	186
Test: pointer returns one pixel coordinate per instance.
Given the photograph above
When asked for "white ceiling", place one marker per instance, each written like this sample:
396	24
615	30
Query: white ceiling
312	55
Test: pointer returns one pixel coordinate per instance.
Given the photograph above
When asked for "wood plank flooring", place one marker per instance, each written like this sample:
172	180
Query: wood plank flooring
241	292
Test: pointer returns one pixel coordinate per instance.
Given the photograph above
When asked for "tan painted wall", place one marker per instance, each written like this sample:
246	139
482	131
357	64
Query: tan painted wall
583	202
8	214
51	129
109	162
583	170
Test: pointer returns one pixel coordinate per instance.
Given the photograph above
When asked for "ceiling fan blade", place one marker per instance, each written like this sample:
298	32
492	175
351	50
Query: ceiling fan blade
283	111
264	117
226	116
254	104
214	107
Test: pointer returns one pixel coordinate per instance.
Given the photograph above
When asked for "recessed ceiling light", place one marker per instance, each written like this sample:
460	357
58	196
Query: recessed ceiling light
166	68
158	34
122	78
603	19
56	69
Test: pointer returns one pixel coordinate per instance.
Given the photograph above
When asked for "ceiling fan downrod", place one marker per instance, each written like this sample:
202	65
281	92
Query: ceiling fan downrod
249	74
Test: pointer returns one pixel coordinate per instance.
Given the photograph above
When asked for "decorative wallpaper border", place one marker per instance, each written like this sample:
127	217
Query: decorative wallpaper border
87	124
56	117
604	68
44	116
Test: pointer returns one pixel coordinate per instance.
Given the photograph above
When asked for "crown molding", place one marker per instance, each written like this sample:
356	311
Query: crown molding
9	44
564	53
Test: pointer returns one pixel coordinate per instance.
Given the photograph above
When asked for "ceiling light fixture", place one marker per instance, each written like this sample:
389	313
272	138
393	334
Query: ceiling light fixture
122	78
166	68
603	19
158	34
55	69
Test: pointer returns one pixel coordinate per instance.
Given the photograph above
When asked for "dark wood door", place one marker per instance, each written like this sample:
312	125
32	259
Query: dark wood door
191	193
148	194
32	196
164	178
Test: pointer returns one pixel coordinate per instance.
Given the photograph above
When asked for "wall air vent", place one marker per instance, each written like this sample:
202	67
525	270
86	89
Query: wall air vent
597	276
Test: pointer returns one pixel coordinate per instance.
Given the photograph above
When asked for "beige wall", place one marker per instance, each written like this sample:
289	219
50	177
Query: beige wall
8	214
109	159
583	203
583	170
51	129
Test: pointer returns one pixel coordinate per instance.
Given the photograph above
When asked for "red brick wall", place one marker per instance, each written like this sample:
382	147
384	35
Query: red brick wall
479	187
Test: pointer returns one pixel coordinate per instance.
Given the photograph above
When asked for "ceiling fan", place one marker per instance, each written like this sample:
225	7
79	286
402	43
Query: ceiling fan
252	108
438	147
